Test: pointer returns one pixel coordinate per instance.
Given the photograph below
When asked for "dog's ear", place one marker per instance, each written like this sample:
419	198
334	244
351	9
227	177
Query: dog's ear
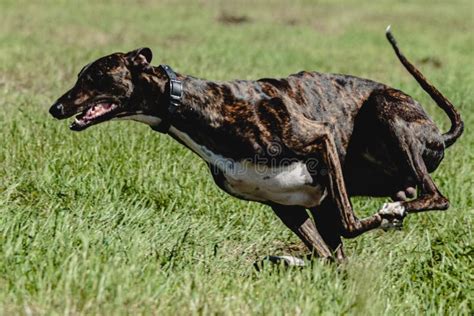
140	57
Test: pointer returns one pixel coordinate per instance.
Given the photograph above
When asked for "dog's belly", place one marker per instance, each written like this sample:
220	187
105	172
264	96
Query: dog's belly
290	184
287	185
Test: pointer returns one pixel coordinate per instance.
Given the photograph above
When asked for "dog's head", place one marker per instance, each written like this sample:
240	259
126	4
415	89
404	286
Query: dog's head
108	88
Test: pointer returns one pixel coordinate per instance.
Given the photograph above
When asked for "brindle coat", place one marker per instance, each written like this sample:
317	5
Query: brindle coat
368	139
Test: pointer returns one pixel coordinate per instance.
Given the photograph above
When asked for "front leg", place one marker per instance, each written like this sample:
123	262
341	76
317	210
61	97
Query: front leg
313	139
323	144
328	224
297	219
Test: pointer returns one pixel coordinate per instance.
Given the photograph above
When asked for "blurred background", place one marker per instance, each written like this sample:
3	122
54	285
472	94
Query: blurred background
121	220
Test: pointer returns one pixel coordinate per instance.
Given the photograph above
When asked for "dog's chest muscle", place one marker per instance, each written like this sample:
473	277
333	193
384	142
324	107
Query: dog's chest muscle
289	184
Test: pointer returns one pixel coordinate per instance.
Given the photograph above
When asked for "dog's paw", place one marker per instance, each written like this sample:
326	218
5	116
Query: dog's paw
392	210
392	215
389	224
287	261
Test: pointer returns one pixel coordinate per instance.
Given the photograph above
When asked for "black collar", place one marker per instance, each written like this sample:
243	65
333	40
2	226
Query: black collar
174	92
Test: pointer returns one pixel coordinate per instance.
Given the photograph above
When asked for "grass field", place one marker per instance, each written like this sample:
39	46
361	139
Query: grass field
121	220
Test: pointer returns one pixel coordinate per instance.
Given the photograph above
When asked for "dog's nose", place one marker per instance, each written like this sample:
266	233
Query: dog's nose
57	110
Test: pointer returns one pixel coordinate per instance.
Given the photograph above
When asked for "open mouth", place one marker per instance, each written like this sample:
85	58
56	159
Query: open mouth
97	113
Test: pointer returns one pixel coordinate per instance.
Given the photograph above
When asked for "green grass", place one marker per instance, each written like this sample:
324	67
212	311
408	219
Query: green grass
121	220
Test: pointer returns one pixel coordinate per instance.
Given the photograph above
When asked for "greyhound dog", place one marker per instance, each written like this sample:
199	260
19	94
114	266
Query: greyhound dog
306	142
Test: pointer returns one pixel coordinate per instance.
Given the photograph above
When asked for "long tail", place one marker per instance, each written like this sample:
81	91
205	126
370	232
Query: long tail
457	125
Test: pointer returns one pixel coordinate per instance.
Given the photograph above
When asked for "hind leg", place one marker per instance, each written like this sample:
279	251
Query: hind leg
430	198
418	147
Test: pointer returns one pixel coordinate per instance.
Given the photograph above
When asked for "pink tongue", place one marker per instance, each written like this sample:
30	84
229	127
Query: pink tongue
98	110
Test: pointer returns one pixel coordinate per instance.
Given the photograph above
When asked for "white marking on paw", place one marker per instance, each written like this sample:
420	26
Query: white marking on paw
293	261
288	260
394	209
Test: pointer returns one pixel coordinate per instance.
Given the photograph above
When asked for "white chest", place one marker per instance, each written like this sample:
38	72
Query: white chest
290	184
287	185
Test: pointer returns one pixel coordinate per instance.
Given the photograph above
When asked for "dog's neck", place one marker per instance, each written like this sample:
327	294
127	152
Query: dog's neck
201	119
201	104
210	113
